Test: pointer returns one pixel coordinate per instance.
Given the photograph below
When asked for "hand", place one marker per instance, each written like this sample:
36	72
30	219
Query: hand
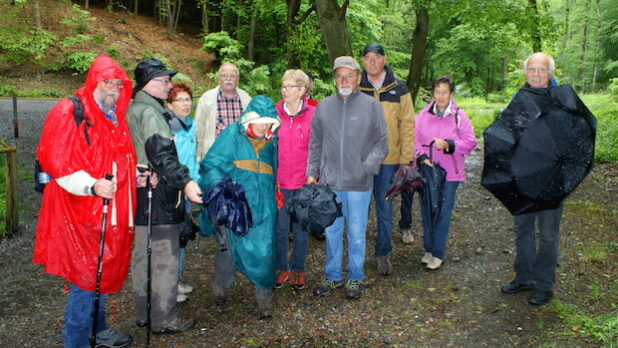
441	144
193	192
105	188
428	162
141	179
311	179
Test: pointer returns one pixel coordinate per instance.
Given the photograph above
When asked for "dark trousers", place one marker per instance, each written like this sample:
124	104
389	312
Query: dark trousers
537	265
405	223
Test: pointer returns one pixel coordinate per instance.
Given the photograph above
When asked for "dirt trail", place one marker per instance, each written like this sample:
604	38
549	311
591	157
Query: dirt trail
459	305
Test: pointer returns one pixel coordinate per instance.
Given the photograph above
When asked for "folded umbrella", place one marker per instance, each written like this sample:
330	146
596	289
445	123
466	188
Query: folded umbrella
227	205
405	179
314	207
434	177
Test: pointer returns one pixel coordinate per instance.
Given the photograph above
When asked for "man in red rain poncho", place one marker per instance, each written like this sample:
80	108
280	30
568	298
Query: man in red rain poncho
77	157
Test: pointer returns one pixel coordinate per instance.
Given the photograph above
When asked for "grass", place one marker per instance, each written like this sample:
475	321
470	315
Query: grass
602	106
601	327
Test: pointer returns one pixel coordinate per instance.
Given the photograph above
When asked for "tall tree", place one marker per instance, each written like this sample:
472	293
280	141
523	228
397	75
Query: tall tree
37	15
334	28
536	36
419	48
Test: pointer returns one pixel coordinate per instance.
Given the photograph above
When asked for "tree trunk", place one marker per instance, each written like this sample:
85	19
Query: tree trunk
135	6
204	4
584	50
87	4
597	43
177	14
214	21
37	15
251	43
419	48
290	30
536	37
334	28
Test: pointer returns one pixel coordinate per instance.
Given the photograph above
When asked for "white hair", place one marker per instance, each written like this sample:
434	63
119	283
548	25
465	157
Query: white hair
550	61
228	64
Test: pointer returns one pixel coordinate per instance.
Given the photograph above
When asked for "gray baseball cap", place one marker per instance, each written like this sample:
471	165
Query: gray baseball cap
346	62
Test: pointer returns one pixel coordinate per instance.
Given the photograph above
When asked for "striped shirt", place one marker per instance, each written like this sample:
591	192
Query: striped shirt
228	111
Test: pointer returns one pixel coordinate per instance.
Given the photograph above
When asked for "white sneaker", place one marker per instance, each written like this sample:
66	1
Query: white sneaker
184	288
435	263
407	237
181	297
426	258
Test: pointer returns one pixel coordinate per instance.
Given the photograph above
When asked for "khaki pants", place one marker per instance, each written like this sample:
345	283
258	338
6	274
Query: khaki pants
164	273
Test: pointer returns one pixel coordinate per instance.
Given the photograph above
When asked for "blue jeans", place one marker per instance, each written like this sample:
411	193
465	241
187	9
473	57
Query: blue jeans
405	223
300	242
436	243
355	207
532	265
384	209
78	317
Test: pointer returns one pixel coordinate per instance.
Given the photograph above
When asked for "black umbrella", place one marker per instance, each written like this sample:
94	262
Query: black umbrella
314	207
539	149
431	198
227	205
405	179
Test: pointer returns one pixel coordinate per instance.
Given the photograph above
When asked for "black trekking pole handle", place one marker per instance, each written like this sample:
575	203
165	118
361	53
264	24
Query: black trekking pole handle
97	292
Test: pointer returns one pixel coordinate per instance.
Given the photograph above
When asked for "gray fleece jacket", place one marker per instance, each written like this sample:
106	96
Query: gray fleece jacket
348	142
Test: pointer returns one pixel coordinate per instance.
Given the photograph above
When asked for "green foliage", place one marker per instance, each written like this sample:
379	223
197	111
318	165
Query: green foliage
222	46
605	111
80	61
182	78
78	19
480	112
613	88
601	327
18	46
74	40
114	51
163	59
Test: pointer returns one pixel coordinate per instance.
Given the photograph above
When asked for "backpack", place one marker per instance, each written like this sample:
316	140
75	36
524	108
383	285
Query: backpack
40	177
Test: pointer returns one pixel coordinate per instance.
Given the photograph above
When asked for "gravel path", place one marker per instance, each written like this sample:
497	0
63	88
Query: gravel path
459	305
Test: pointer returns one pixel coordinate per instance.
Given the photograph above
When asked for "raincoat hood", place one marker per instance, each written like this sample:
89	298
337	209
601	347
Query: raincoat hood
104	68
261	109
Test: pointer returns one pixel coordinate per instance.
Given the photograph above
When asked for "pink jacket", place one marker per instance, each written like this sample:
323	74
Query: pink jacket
457	131
293	149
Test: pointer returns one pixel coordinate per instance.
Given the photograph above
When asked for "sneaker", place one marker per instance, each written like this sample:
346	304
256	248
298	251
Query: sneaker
426	258
282	277
112	339
177	325
406	236
298	280
434	264
180	297
326	286
384	265
218	293
265	307
353	289
184	288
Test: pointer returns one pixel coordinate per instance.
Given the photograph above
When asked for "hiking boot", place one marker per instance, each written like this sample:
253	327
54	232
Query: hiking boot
282	277
353	289
384	265
298	280
434	264
515	287
326	286
265	307
177	325
112	339
181	297
218	293
406	236
540	297
426	258
184	288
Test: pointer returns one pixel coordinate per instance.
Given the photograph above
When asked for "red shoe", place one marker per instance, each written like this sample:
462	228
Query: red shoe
282	277
298	280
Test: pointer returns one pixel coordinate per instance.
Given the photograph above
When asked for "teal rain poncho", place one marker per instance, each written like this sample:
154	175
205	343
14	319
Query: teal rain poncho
251	163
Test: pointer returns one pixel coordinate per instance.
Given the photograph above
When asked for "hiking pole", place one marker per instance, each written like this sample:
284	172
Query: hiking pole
97	291
149	257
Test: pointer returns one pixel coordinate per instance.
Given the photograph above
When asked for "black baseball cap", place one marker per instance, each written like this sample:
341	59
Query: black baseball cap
373	47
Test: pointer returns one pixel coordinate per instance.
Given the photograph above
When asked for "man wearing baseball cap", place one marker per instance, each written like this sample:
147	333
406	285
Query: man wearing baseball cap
157	158
378	81
348	144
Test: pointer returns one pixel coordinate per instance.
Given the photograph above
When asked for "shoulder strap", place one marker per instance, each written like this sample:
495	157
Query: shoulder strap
79	117
457	123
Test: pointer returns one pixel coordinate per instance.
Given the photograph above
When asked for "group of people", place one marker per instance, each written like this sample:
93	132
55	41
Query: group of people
138	161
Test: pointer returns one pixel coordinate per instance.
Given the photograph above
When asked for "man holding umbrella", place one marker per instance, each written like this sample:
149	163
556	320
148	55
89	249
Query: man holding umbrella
535	268
78	153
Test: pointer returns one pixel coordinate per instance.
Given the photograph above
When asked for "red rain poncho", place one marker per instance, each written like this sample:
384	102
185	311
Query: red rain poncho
69	226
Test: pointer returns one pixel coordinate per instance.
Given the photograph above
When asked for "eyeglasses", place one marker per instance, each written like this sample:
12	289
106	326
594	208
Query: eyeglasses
182	100
537	70
289	87
162	80
346	77
372	59
228	76
114	83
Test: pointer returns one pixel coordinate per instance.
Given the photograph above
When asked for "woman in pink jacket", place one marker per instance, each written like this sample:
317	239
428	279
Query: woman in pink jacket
295	114
450	130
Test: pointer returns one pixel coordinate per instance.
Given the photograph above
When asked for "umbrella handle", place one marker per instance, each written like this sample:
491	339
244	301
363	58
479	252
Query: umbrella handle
430	146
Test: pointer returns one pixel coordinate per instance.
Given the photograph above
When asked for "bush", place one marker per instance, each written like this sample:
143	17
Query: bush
605	111
80	61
